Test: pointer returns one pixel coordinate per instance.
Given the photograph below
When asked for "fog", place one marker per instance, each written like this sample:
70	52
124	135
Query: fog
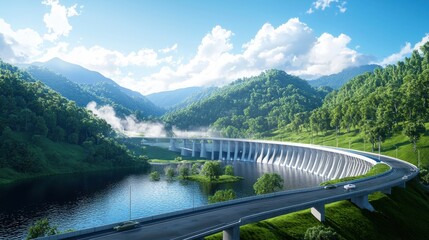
132	127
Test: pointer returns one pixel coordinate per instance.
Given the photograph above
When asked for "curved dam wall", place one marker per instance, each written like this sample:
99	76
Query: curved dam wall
326	162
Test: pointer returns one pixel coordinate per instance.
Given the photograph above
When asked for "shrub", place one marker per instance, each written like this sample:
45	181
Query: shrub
154	176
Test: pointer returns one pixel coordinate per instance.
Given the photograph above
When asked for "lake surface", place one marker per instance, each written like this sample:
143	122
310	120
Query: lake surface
79	201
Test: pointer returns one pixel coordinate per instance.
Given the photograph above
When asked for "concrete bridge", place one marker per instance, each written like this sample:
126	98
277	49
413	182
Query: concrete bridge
229	216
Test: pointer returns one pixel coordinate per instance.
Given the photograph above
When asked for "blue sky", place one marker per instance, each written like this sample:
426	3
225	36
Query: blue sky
151	46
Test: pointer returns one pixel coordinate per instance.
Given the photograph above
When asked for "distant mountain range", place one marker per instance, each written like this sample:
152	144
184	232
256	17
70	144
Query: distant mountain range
179	98
83	86
336	81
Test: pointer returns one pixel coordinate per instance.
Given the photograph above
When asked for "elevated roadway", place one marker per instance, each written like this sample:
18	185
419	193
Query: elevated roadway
229	216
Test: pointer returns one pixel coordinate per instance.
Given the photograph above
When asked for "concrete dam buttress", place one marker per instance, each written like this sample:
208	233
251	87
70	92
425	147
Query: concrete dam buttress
326	162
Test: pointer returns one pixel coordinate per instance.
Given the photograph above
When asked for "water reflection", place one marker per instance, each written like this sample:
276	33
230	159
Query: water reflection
81	201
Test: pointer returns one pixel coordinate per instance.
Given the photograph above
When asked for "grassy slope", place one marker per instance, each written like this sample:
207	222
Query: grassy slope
396	146
402	215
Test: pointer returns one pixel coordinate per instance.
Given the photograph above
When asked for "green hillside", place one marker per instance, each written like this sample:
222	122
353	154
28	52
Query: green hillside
250	106
401	215
42	133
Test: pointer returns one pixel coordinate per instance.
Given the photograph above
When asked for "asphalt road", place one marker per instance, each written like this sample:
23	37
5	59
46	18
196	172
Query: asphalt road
187	226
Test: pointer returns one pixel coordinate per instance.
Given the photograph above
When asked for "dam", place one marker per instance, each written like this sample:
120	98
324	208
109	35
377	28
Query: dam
327	162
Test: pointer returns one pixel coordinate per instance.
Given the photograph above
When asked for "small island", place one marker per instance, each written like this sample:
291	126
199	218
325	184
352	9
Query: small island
210	172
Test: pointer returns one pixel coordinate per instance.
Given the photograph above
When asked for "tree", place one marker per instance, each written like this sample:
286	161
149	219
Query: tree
320	233
184	171
229	170
195	168
222	195
154	176
413	130
211	170
41	228
169	173
268	183
178	159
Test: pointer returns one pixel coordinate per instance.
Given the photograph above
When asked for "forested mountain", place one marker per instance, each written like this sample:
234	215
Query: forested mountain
179	98
42	132
168	99
65	87
392	99
336	81
197	96
73	72
125	101
250	106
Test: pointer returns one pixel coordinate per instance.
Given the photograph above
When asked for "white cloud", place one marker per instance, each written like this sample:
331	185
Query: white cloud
106	61
405	51
169	49
20	45
292	47
57	20
342	7
324	4
329	55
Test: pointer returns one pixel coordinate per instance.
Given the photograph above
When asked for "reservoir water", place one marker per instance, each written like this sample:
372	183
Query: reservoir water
79	201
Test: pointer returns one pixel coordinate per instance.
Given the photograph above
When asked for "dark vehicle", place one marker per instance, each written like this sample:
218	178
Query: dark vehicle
330	186
126	226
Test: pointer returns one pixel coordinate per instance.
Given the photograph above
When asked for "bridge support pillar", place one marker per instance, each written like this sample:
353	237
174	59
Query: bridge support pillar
402	184
232	233
387	191
318	212
172	146
362	202
183	151
203	152
193	148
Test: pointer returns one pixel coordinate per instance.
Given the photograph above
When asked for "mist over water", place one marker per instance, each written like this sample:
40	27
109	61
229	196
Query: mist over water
132	127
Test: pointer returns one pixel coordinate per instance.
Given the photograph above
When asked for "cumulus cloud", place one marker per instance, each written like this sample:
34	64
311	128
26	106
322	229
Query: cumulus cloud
406	50
106	61
328	55
57	20
292	47
323	4
18	45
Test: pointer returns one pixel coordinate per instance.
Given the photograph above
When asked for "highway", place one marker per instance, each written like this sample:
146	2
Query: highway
207	220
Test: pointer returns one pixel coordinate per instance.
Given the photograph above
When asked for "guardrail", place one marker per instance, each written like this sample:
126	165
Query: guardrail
261	215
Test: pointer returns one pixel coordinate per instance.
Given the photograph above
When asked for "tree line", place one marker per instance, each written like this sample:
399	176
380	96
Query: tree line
388	100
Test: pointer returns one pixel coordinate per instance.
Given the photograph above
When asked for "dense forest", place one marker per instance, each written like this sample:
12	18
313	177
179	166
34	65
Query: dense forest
392	99
252	106
34	118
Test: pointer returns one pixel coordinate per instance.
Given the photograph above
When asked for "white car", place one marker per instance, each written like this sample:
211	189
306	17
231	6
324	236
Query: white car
349	186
